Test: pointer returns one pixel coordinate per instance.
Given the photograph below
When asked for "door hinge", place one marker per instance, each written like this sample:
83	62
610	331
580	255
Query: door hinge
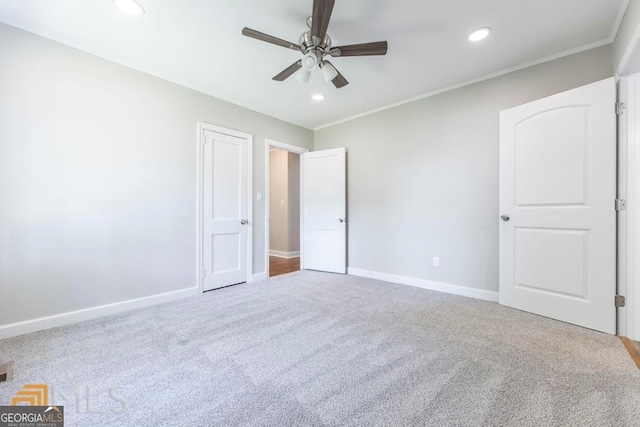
620	301
621	108
621	204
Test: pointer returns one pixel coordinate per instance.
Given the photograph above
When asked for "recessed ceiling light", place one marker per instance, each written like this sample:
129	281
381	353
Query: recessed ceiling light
130	7
318	97
480	34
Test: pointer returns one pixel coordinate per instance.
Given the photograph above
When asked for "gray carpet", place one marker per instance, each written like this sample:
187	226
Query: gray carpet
319	349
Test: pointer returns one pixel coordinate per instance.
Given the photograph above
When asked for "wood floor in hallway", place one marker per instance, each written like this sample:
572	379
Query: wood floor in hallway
279	265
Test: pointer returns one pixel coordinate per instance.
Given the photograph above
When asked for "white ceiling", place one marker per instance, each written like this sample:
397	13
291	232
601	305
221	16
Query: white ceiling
198	43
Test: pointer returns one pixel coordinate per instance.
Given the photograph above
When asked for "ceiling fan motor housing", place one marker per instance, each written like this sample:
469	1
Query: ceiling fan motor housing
309	43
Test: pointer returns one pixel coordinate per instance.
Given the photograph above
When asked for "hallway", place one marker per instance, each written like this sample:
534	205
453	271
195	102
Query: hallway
278	266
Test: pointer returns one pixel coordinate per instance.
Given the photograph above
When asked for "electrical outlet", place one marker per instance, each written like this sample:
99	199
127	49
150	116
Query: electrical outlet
436	261
6	371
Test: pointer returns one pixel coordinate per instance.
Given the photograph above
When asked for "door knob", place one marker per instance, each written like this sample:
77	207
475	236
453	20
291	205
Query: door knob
505	217
340	219
244	222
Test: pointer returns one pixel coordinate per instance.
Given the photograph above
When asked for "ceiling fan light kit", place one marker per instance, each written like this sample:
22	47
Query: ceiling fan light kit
328	71
309	61
303	76
315	45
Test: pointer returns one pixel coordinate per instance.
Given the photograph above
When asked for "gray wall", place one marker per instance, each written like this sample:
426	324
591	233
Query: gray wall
278	200
294	201
98	178
423	177
625	39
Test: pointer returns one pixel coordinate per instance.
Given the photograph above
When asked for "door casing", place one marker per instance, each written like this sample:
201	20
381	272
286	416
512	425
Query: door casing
629	219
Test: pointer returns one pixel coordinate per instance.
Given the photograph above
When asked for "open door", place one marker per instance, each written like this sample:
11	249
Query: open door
324	208
557	206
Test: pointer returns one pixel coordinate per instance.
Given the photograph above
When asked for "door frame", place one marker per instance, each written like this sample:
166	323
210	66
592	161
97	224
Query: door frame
200	141
629	219
623	243
268	144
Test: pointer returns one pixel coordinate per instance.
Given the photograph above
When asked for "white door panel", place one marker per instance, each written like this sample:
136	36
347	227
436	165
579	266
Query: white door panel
225	207
558	186
554	143
324	210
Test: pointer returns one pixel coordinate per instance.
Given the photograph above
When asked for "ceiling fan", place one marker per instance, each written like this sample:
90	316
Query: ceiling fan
315	45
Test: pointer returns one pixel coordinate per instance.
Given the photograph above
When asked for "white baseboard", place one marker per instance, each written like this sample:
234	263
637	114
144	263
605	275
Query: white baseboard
427	284
42	323
260	276
281	254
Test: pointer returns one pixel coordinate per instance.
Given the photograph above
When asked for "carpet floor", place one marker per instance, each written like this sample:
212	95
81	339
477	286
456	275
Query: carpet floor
318	349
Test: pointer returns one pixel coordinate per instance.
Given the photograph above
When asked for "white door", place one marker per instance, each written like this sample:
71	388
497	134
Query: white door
557	195
324	221
225	209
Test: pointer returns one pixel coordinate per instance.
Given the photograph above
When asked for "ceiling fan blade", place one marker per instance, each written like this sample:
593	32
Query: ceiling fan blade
269	39
320	19
287	72
339	80
364	49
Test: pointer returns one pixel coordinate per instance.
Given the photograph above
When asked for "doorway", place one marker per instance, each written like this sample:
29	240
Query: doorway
283	173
